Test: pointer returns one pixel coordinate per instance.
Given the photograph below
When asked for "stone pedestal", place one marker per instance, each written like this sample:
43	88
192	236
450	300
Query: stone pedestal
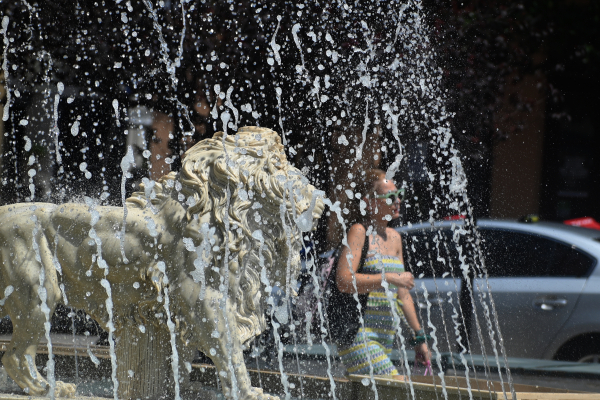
144	368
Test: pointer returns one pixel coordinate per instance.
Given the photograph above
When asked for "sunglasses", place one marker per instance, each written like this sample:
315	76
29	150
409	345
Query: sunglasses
399	194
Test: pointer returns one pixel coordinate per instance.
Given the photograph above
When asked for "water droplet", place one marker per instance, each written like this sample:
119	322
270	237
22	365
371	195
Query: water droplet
75	128
27	144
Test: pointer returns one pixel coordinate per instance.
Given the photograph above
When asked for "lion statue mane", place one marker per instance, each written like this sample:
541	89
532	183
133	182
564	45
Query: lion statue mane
182	266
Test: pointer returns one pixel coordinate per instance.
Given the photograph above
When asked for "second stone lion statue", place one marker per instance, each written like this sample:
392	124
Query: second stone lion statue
182	266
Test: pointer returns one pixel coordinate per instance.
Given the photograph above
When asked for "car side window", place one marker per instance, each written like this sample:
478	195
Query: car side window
517	254
429	253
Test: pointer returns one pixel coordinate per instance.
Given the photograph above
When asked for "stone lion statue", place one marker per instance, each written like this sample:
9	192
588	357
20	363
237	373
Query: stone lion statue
182	266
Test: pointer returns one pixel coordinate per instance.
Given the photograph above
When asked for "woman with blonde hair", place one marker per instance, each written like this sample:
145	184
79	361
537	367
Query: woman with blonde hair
372	267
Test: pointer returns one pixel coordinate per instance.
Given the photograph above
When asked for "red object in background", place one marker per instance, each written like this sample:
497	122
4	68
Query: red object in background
585	222
454	217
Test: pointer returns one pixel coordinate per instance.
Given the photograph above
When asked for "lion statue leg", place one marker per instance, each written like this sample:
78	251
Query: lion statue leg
221	343
24	306
19	359
229	361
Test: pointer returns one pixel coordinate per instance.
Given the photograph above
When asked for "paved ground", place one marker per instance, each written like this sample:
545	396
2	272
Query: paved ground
310	361
561	375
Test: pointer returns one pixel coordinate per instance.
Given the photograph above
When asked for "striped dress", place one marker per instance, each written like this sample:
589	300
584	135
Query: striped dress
376	339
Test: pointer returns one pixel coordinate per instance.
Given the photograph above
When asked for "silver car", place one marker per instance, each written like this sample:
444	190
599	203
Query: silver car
543	277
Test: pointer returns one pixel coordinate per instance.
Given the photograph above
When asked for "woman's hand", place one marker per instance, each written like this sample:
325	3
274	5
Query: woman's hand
405	280
422	354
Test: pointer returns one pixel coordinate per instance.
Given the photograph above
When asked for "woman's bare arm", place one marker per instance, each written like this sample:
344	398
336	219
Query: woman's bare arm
408	306
365	283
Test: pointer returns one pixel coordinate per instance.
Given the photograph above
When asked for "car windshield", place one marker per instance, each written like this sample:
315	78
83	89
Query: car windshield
430	253
517	254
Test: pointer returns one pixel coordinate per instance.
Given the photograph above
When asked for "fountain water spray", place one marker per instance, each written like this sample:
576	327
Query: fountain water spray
353	70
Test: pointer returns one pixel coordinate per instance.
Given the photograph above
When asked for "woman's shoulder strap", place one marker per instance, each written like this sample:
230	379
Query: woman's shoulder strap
365	249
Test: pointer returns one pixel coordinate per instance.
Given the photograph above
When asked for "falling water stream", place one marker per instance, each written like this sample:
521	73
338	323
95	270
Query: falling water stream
385	80
43	294
95	217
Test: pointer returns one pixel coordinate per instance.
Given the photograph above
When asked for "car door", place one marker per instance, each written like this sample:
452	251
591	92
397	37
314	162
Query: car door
535	282
432	258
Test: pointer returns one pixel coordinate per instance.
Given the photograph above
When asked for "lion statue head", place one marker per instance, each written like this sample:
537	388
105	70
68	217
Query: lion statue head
246	208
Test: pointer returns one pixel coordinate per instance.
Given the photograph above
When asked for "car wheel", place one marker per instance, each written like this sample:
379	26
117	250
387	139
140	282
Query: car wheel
591	359
584	349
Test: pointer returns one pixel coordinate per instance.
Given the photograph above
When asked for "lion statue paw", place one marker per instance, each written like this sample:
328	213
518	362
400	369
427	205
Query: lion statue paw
64	389
255	393
32	382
